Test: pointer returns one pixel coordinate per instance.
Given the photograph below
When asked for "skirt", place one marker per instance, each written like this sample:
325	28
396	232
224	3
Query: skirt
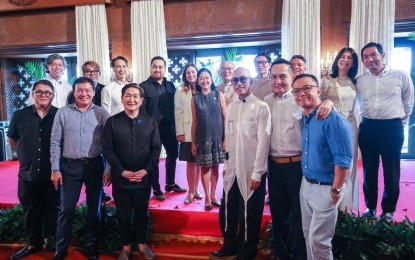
185	152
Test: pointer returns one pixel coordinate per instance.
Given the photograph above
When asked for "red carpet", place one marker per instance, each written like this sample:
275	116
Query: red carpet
192	219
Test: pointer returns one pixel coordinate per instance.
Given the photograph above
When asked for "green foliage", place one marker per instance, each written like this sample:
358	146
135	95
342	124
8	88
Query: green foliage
109	240
361	238
35	69
12	224
231	54
412	36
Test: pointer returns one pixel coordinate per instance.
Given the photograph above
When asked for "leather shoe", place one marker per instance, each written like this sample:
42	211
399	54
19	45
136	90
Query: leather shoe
388	216
158	195
219	255
369	213
25	251
216	203
175	188
60	255
147	253
50	243
105	197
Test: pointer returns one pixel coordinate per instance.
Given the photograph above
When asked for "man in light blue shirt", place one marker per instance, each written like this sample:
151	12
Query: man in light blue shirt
326	157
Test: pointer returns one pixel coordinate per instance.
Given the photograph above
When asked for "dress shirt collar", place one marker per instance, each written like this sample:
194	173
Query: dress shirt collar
286	95
92	106
153	81
54	80
118	82
245	99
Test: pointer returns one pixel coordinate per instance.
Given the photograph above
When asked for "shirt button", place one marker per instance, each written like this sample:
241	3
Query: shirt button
305	152
38	159
306	138
39	149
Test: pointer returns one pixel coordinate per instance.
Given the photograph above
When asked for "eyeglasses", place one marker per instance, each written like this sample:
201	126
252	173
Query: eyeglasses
262	62
91	71
241	79
305	89
46	93
226	69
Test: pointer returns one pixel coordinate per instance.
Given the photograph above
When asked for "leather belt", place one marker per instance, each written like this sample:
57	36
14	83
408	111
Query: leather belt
317	182
291	159
83	160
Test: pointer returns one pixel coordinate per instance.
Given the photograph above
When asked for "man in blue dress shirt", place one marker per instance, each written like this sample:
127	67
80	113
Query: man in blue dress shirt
326	157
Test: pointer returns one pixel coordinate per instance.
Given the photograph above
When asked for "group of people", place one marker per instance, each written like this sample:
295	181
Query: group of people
283	124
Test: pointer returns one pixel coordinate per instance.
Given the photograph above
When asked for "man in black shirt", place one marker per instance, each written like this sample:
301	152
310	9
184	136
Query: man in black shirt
29	132
159	103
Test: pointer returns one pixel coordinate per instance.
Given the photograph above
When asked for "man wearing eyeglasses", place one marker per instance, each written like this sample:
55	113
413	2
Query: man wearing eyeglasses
226	71
55	66
92	70
326	157
386	100
261	85
247	133
29	132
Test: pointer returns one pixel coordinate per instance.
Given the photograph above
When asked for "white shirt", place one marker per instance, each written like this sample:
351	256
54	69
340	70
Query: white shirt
228	92
247	135
62	89
262	88
286	120
183	113
386	96
111	97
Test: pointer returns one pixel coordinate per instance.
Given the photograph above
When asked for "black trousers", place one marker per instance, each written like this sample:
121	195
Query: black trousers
168	140
132	214
74	175
384	139
40	202
234	235
284	182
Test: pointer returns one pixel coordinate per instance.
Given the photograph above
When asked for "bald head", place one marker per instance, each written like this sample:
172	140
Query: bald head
241	82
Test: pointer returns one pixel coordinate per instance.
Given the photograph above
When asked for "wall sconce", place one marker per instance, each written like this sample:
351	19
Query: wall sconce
327	63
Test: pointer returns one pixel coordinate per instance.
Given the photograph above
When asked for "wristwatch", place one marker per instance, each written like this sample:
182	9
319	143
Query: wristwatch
335	190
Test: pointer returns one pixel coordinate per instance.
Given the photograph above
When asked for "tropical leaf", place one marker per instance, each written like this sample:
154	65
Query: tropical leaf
412	36
35	69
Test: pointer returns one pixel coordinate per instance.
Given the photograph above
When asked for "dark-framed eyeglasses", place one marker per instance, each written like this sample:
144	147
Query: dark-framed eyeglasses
241	79
262	62
45	93
91	71
305	89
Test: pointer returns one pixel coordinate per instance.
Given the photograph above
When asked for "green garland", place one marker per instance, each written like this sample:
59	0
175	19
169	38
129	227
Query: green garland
109	240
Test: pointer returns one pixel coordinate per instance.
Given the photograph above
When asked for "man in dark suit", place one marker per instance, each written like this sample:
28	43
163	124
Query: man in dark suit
92	70
159	103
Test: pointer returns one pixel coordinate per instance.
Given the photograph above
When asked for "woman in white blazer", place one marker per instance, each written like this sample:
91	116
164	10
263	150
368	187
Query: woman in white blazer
183	117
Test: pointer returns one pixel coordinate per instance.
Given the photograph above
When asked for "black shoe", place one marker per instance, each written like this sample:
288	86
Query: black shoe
158	195
91	251
25	251
175	188
217	255
369	213
105	197
60	255
50	243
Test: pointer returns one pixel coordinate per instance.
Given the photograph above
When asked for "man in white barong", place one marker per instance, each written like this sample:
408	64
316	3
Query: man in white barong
247	134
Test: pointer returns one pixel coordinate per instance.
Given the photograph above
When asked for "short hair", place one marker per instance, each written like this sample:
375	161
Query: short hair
118	58
51	58
80	80
198	87
185	81
90	63
306	76
159	58
301	57
132	85
43	82
372	44
263	54
283	61
352	71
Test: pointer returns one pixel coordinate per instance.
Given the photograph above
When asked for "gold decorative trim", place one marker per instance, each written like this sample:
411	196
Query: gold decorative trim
22	3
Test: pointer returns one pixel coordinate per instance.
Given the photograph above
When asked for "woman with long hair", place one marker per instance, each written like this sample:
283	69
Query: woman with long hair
208	110
183	119
339	87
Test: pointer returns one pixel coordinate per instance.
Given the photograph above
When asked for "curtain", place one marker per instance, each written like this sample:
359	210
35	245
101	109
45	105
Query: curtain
300	32
148	36
372	21
92	38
